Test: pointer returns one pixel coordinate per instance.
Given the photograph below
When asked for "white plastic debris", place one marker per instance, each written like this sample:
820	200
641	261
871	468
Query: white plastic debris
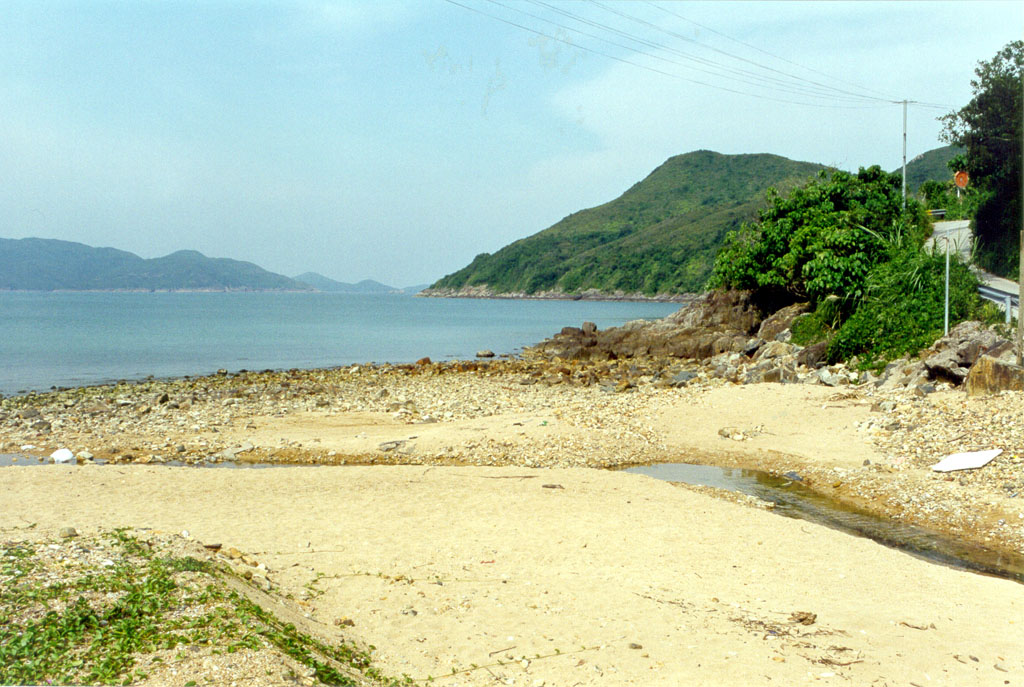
63	455
966	461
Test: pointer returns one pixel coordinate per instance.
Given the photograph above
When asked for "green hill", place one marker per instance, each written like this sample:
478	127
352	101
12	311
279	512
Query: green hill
49	265
659	237
930	166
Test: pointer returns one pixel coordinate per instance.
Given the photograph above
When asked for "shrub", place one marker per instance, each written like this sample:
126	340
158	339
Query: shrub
902	310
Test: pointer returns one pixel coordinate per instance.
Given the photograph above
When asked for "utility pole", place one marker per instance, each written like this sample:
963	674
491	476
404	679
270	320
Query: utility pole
904	154
1020	275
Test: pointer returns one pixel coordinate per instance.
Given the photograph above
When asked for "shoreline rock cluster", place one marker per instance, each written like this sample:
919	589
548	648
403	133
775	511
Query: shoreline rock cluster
728	333
484	291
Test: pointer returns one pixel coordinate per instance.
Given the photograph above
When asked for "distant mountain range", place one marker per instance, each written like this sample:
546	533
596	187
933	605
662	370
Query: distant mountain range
659	237
34	264
50	265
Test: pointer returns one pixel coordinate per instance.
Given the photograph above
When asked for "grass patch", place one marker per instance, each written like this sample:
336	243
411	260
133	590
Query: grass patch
86	613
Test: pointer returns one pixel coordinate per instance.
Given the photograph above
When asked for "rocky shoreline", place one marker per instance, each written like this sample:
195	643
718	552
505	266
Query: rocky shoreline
484	291
588	398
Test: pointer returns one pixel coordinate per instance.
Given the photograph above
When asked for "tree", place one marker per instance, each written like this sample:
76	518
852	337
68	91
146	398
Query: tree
990	128
822	239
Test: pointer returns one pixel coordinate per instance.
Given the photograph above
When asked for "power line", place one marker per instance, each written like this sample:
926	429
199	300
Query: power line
764	52
735	57
759	79
649	68
803	88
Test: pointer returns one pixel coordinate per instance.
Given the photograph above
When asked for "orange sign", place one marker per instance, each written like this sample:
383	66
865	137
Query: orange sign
961	179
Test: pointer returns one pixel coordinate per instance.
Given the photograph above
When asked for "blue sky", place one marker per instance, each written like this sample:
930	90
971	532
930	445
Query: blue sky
396	140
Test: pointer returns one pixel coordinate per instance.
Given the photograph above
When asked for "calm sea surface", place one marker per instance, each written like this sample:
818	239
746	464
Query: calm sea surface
76	339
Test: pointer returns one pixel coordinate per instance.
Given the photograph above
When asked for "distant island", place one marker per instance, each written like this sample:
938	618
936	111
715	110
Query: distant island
34	264
658	240
366	286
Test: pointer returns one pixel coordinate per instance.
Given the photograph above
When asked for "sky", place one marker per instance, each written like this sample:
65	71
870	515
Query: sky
397	140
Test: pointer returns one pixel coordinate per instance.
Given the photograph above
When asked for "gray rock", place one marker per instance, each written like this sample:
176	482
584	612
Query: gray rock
485	354
67	532
683	378
774	349
780	375
589	328
923	390
28	413
41	426
718	321
951	357
828	378
946	365
812	355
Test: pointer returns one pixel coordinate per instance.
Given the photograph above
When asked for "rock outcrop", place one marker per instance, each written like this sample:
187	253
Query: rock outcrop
990	375
951	357
717	322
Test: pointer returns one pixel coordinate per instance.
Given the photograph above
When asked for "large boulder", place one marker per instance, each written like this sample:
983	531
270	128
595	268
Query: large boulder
780	321
951	357
990	375
812	355
723	310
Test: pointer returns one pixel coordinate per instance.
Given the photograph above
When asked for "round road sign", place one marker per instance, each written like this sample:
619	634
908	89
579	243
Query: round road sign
961	179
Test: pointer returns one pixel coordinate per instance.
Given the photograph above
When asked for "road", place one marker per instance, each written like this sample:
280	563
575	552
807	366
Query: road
957	233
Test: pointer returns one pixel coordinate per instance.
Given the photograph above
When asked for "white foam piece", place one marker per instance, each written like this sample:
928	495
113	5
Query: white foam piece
63	455
966	461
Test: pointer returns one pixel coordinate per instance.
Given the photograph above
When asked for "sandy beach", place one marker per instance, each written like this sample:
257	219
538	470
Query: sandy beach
612	579
499	552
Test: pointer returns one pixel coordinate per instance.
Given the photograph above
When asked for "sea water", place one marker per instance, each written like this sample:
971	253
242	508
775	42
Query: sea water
83	338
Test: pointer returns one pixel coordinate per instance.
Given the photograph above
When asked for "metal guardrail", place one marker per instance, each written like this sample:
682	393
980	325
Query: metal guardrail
1000	297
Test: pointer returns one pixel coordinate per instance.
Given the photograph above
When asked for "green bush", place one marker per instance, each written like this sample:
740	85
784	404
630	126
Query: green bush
943	195
902	310
809	328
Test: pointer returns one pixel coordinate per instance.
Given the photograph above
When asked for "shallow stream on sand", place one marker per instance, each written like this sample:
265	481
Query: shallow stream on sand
793	499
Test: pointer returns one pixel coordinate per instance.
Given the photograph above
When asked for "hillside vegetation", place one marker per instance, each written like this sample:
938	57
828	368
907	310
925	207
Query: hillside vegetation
660	236
49	265
930	166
